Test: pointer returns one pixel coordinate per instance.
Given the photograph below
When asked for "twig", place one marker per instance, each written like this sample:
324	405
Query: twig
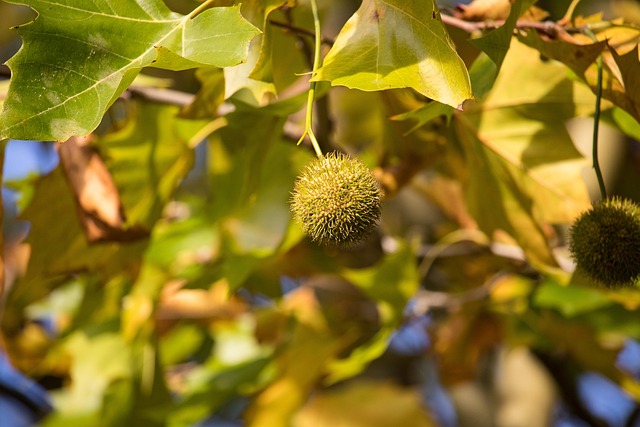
568	16
555	30
424	300
549	28
302	31
4	71
161	95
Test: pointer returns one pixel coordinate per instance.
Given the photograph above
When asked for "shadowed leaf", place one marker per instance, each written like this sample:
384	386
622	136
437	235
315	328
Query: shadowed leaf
523	167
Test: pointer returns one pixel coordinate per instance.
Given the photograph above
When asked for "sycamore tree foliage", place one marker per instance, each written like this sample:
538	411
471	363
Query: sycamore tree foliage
162	247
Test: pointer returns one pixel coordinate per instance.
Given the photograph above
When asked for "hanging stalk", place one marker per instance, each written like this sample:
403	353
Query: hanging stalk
596	120
308	123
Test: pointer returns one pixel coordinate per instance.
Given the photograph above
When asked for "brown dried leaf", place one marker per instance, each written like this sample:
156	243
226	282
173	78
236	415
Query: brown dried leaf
95	193
482	10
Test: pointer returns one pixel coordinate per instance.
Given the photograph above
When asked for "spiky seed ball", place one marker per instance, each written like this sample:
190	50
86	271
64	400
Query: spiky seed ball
336	200
605	242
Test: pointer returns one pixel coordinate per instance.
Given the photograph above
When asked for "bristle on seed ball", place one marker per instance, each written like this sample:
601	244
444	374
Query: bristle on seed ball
605	242
336	200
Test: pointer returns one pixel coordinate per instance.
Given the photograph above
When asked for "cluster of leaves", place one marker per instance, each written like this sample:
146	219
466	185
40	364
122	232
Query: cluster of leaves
163	279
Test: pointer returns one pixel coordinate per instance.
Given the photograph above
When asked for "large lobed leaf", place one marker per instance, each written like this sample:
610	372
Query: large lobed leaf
390	44
522	165
79	56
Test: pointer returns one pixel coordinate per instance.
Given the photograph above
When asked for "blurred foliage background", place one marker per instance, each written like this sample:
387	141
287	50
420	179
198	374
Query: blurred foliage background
178	292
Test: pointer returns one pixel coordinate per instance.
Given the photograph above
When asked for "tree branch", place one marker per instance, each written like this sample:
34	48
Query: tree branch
551	29
301	31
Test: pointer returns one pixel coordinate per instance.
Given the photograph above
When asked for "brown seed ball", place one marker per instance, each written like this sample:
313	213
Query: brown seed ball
336	200
605	242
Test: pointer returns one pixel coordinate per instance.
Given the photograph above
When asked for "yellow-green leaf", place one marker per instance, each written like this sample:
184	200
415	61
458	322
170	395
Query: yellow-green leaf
390	44
523	168
79	56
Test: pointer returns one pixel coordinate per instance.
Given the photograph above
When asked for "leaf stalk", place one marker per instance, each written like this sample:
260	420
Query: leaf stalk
596	120
200	8
308	128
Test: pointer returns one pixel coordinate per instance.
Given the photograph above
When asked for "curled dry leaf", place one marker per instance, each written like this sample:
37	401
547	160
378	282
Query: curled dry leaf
95	193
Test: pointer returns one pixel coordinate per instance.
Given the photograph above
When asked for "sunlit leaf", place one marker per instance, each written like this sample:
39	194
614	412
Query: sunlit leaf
237	365
396	44
255	76
624	121
360	358
91	376
78	57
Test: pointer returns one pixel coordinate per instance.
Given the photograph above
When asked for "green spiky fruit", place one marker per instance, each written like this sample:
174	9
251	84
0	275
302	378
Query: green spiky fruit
605	242
336	200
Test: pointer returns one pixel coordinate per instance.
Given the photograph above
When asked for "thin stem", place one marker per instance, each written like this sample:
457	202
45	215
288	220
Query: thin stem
308	130
568	16
555	30
200	8
596	120
300	31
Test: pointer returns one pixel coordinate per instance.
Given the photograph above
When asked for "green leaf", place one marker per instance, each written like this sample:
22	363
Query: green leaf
569	300
79	56
624	121
148	157
238	363
425	114
209	97
90	376
495	45
263	69
212	386
359	359
391	284
255	76
390	44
